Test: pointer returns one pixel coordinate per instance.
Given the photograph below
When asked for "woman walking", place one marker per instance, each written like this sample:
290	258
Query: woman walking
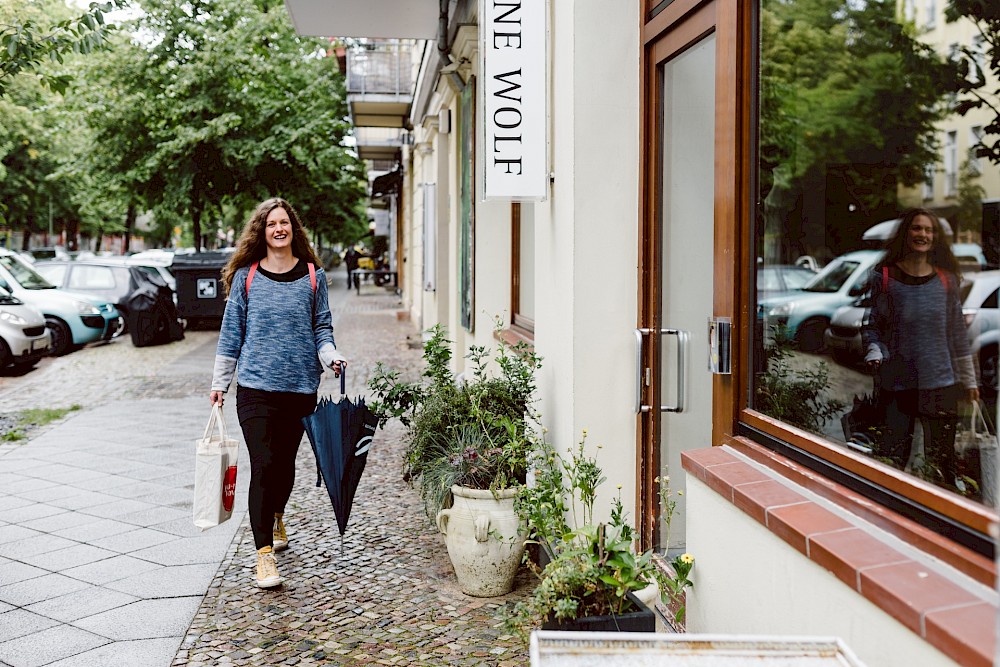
276	337
916	344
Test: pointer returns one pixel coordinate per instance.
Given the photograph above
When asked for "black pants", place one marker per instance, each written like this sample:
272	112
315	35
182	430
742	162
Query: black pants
272	427
937	410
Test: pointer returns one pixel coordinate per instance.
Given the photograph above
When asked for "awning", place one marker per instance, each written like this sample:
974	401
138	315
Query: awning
413	19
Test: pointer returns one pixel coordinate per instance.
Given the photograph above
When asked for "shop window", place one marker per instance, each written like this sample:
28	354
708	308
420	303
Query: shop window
523	269
831	186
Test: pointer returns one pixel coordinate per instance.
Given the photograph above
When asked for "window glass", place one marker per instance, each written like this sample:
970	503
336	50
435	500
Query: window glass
54	273
24	275
91	277
858	113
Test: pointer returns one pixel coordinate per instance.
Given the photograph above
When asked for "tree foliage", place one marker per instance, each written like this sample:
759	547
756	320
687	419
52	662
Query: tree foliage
29	37
979	89
845	91
217	104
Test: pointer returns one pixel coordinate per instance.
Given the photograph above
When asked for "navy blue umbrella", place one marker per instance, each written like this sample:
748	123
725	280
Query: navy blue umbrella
341	433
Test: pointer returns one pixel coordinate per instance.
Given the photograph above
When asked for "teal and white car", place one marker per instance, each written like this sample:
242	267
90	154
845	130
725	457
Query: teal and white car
72	319
806	312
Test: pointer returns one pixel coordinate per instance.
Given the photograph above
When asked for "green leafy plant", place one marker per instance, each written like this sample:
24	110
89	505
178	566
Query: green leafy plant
797	396
594	565
472	432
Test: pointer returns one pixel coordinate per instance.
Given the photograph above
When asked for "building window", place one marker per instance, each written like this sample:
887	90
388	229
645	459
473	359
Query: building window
831	187
975	140
430	237
931	8
910	10
950	163
523	269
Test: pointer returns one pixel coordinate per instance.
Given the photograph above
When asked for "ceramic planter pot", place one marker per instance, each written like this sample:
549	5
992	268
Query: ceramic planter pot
642	620
485	540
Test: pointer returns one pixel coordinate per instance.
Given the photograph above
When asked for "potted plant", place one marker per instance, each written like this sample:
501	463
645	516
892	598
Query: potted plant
593	572
466	451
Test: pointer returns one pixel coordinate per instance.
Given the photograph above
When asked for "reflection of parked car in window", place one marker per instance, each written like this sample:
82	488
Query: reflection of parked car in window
775	278
46	252
73	319
806	312
23	336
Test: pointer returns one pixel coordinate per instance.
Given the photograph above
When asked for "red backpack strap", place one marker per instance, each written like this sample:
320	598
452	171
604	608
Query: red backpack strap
250	275
944	278
312	276
885	279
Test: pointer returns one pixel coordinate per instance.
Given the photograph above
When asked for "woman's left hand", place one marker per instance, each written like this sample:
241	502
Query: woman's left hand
339	367
973	394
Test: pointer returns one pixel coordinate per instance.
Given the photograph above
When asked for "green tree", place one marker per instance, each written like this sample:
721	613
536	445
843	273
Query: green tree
978	63
217	103
32	32
847	93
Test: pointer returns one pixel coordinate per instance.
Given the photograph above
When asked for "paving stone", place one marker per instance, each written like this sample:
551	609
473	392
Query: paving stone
80	604
142	652
20	622
49	645
145	619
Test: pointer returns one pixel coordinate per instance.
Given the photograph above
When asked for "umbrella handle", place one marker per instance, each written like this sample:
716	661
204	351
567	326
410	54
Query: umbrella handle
343	380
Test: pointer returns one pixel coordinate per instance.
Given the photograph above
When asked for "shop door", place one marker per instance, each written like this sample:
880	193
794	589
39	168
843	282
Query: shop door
680	275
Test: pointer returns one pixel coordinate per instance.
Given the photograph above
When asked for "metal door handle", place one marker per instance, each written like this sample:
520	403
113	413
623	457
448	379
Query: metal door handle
682	343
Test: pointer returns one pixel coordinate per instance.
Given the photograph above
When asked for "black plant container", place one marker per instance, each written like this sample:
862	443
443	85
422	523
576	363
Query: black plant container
642	620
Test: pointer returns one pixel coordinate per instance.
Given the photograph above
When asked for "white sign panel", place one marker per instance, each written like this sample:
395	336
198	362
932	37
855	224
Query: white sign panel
512	37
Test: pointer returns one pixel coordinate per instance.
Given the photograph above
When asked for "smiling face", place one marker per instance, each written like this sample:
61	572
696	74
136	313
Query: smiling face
278	229
920	235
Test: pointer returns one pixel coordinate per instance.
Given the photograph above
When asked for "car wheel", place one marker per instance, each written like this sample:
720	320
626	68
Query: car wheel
844	357
810	335
5	354
988	368
62	340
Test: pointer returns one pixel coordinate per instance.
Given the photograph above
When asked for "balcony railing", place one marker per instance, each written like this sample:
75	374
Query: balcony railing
383	69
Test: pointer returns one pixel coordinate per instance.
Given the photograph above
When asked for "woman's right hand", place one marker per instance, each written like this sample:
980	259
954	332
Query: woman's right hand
217	397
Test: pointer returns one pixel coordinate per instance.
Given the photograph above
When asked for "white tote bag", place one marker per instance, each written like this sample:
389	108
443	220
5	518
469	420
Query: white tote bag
215	473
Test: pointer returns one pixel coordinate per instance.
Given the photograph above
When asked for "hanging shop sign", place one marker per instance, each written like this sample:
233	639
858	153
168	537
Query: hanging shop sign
513	36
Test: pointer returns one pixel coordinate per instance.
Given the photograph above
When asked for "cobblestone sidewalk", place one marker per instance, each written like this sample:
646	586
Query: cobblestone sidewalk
386	595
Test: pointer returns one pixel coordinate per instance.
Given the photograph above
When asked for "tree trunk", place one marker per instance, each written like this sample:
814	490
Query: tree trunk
196	225
129	224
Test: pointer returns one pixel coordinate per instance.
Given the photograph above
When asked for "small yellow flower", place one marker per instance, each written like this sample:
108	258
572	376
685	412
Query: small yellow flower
656	480
687	559
680	493
619	487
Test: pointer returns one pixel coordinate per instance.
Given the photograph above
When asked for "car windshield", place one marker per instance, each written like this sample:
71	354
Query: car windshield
832	277
797	278
23	274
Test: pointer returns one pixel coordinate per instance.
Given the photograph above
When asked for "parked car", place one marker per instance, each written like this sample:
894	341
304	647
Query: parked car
72	319
982	315
775	278
806	312
108	277
46	252
113	279
24	339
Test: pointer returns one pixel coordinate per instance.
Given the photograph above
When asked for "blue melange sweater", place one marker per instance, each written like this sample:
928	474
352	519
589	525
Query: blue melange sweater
916	330
276	338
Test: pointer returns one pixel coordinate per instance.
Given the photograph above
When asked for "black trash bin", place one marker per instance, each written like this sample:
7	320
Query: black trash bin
200	297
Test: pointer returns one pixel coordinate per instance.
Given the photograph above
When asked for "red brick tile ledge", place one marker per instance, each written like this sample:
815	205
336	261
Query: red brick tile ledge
946	615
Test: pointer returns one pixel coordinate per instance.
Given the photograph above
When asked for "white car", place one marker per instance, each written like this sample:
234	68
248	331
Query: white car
23	336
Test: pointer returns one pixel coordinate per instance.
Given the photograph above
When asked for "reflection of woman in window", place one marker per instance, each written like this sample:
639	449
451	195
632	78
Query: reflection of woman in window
916	344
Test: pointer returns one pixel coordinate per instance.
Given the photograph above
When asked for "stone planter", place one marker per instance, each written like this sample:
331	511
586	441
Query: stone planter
485	540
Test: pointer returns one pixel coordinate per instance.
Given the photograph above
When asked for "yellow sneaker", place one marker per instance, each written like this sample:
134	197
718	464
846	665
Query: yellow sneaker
267	569
279	538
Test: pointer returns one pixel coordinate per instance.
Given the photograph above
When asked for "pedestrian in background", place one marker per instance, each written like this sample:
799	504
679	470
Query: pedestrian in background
276	337
916	344
351	262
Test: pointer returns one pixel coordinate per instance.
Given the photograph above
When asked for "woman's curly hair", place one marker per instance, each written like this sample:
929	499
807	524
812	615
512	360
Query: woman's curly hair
252	245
